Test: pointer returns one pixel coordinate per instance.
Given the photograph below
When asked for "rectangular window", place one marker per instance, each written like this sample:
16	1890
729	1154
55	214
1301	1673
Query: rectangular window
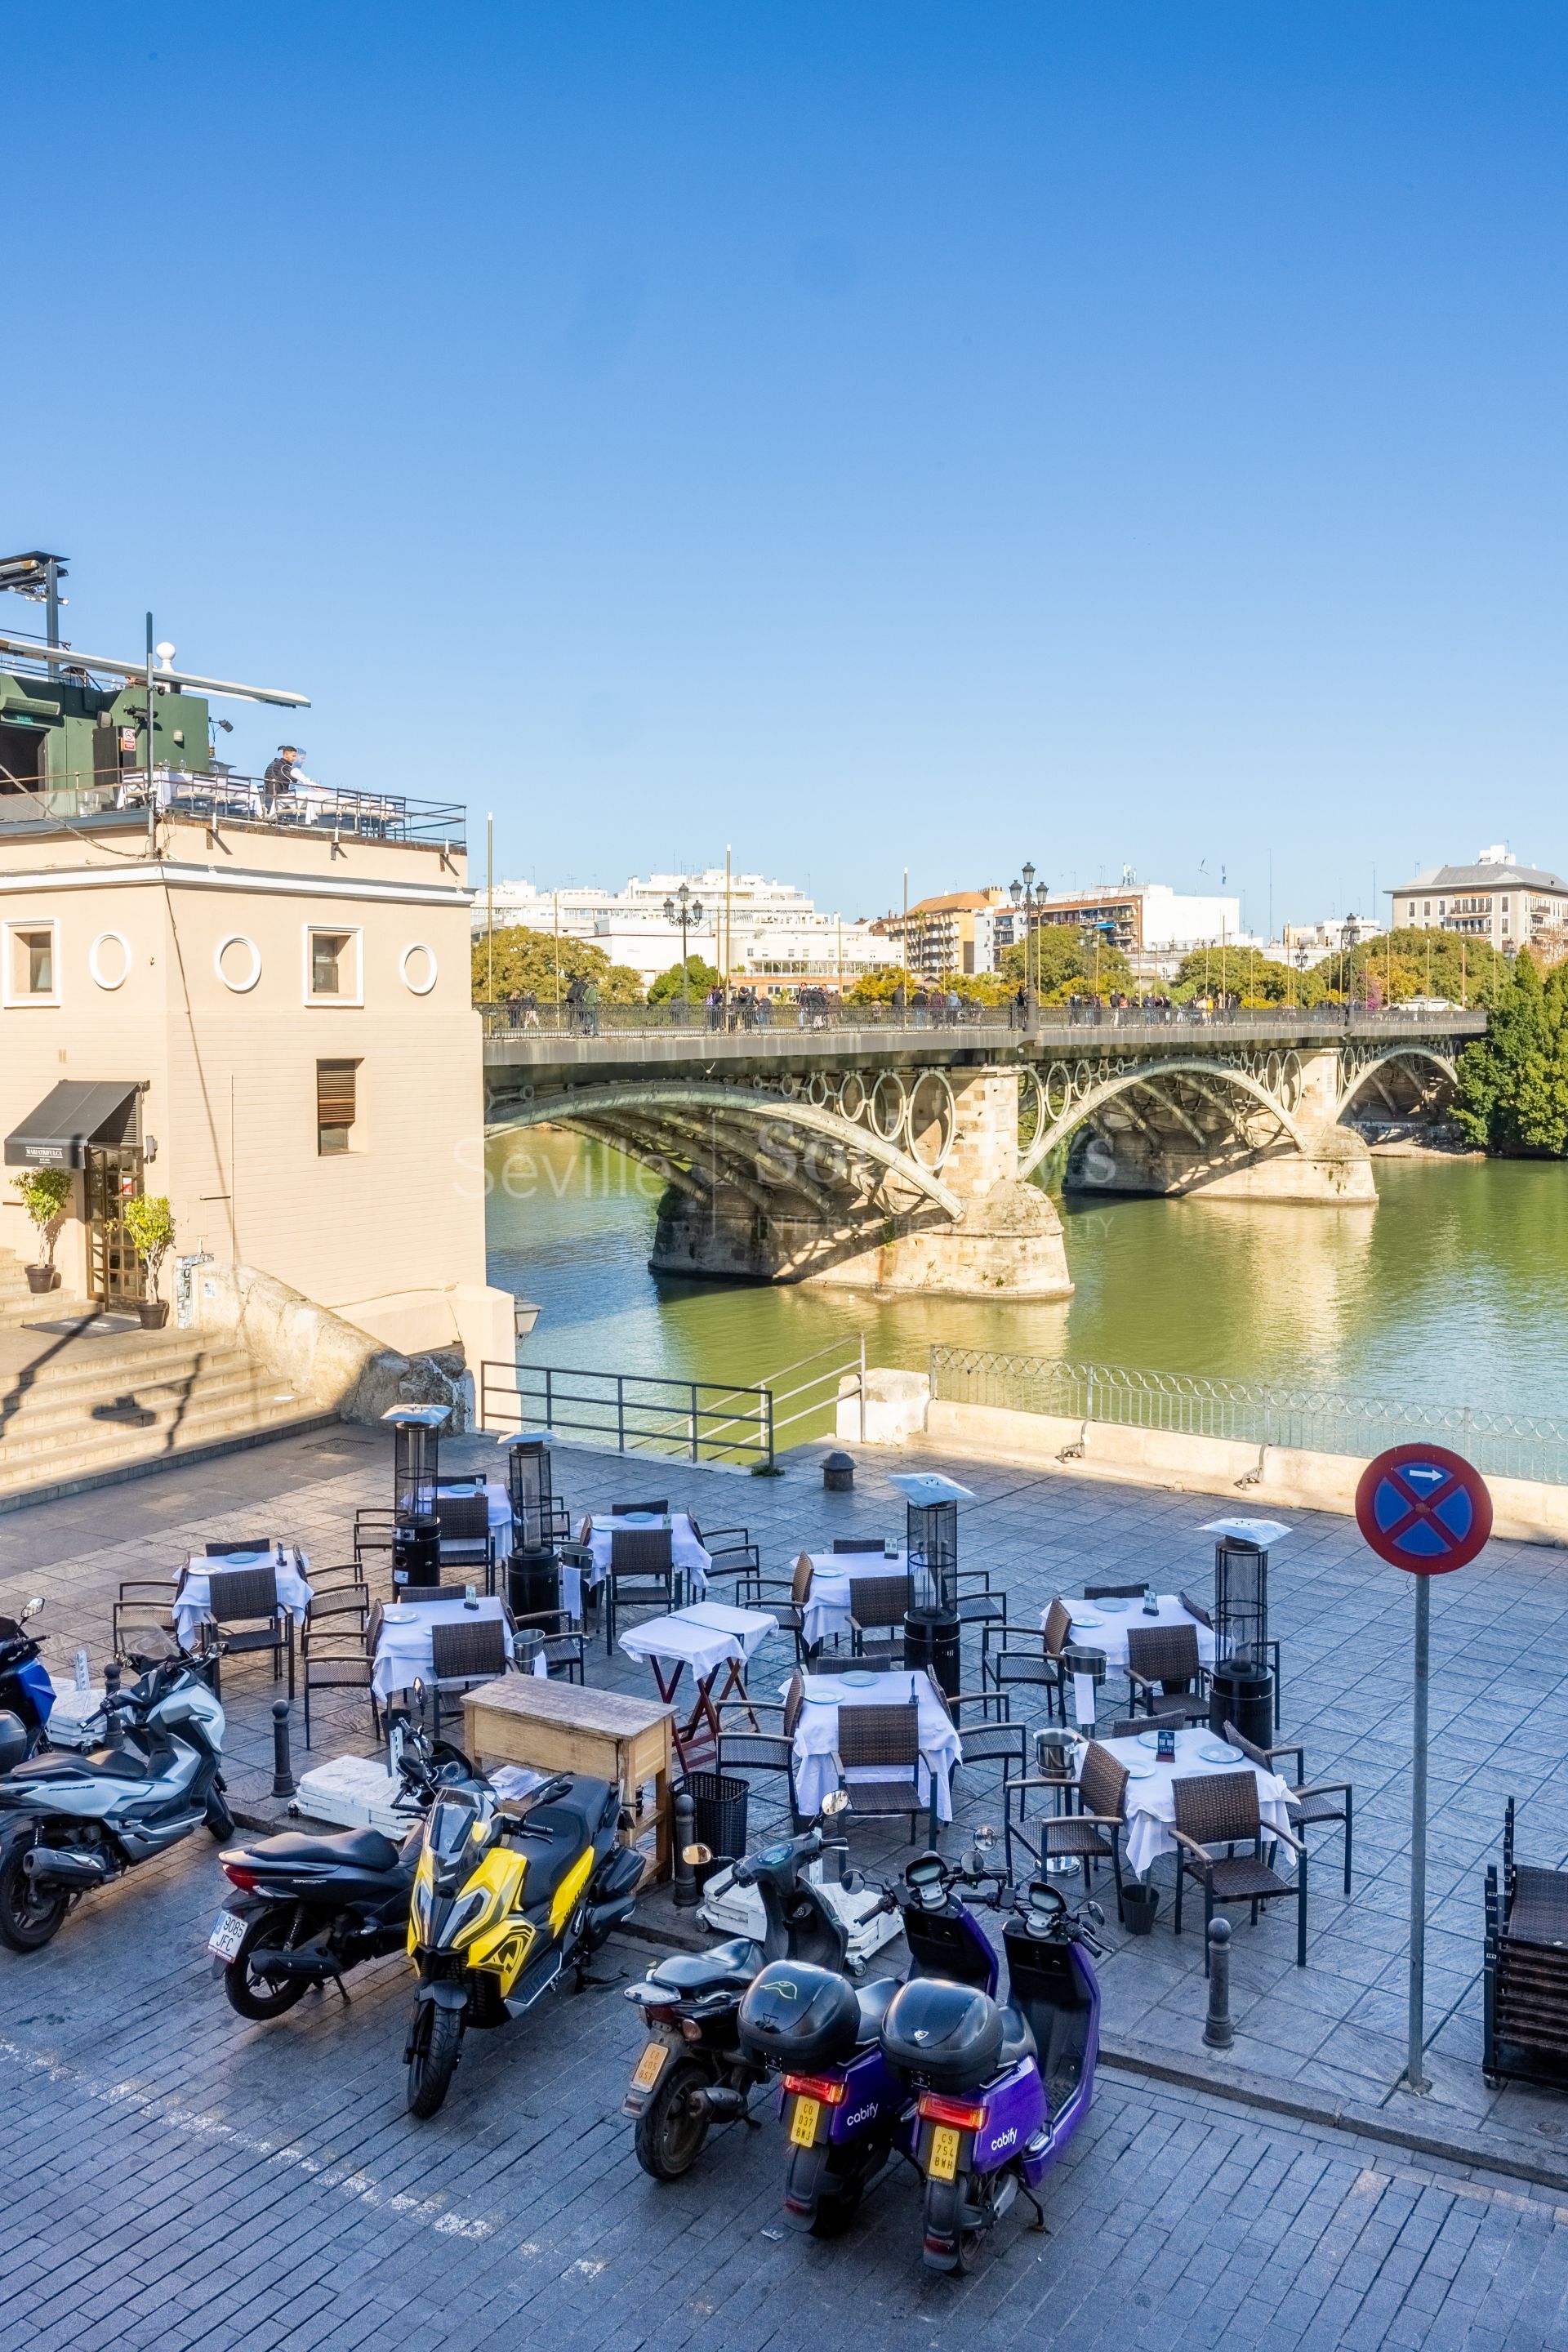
337	1089
333	967
31	964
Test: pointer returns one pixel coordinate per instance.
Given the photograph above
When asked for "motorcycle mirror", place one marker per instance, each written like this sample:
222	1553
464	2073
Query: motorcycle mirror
696	1855
1095	1914
836	1802
33	1607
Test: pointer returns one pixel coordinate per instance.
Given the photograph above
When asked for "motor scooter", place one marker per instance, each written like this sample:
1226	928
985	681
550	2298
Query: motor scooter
846	2112
999	2091
26	1690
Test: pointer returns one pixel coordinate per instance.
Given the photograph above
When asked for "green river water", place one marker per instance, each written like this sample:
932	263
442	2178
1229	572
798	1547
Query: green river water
1454	1289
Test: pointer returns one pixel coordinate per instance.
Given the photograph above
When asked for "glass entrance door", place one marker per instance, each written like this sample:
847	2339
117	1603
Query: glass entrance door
113	1175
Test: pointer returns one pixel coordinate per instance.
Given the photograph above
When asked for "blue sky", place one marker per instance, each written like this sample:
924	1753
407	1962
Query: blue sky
869	436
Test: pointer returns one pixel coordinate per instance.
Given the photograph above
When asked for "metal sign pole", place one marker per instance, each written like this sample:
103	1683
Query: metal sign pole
1415	2079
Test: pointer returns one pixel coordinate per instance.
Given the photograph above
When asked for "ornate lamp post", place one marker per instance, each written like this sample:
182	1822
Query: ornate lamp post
1024	894
684	909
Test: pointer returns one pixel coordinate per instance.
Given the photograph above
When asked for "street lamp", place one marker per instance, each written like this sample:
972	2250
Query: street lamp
684	909
1024	894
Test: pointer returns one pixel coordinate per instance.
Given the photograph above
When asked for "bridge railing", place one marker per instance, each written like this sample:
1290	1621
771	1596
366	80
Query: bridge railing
1318	1421
632	1412
1133	1022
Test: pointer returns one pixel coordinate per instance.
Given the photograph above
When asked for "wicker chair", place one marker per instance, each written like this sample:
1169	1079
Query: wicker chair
1525	1971
642	1569
336	1594
564	1655
463	1655
786	1599
637	1511
730	1551
336	1662
1310	1806
885	1740
376	1533
1113	1591
1221	1810
464	1521
1085	1824
999	1741
1131	1726
747	1749
1032	1660
146	1605
877	1607
1165	1657
246	1598
851	1545
231	1547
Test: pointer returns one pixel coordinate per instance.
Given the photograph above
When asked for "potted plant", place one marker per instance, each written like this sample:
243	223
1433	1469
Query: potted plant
46	1196
150	1221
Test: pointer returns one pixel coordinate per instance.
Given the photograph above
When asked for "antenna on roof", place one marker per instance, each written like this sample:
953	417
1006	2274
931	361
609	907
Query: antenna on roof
37	577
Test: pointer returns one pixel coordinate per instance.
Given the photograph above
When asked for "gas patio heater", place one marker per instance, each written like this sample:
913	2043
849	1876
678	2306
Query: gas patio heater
1241	1688
416	1531
931	1551
533	1573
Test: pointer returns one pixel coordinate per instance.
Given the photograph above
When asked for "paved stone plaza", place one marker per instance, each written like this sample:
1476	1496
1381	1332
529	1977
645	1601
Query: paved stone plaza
192	2180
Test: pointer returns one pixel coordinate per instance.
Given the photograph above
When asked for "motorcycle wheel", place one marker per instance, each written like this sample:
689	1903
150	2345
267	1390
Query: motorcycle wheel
29	1914
836	2207
944	2200
438	2037
218	1818
256	1996
671	2128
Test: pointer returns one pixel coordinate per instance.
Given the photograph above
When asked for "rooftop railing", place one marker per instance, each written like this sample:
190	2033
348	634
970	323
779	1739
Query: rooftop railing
222	797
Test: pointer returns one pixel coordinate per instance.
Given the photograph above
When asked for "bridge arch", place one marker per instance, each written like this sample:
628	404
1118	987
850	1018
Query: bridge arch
1207	1075
653	1120
1359	1074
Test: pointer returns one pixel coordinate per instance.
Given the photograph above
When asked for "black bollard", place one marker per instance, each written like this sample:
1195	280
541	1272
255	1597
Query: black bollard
283	1782
685	1877
1218	2031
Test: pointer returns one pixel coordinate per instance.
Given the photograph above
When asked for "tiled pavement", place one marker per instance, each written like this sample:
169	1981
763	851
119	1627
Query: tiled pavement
1332	2032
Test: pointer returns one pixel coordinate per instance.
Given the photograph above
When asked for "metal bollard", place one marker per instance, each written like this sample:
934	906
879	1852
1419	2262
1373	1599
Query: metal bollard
283	1782
1218	2031
685	1826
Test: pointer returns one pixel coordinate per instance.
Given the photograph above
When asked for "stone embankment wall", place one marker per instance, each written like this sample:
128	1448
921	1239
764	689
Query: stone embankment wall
326	1361
900	1411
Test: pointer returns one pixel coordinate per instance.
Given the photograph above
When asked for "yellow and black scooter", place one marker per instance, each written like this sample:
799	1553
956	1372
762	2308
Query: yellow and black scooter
508	1895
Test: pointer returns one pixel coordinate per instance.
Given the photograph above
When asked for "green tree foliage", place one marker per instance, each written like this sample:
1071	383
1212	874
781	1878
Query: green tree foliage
1513	1082
1246	973
877	987
531	959
1063	962
1411	963
700	977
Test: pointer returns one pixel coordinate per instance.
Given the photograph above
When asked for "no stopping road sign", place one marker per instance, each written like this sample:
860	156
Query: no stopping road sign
1423	1508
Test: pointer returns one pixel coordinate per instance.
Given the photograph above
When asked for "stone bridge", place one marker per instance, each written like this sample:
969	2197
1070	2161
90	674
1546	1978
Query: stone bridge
900	1158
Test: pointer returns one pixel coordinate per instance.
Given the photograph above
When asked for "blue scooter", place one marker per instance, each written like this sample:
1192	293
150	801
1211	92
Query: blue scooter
26	1690
846	2112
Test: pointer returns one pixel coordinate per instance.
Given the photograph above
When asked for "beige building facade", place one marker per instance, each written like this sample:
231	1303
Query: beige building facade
274	1018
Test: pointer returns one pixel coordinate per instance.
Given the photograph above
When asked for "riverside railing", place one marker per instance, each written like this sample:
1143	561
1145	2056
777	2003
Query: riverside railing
632	1412
1317	1420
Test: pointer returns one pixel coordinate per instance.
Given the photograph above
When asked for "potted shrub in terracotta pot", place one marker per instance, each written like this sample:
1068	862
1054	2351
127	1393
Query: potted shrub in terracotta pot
46	1196
150	1221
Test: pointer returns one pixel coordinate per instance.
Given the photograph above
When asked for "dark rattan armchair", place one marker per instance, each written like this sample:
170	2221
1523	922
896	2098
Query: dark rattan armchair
1322	1801
1164	1659
885	1741
1221	1810
1085	1822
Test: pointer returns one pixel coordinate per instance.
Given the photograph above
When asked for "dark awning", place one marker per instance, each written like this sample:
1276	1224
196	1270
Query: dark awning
77	1112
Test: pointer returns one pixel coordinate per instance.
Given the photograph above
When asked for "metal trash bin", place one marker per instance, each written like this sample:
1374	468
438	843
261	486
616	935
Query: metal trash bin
1242	1692
931	1639
718	1817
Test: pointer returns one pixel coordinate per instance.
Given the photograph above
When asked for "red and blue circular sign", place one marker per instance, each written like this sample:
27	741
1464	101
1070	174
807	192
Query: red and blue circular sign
1424	1509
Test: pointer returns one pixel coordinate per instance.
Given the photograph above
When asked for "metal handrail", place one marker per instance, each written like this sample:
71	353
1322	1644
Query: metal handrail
680	1411
1129	1025
214	797
1313	1419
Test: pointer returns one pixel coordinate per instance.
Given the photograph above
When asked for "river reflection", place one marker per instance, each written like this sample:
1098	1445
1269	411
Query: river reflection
1455	1287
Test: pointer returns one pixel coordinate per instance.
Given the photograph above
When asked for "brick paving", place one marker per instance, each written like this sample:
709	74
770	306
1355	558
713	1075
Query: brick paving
291	2138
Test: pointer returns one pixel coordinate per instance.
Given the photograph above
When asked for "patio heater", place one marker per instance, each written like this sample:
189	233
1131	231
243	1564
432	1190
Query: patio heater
533	1573
416	1531
931	1551
1242	1686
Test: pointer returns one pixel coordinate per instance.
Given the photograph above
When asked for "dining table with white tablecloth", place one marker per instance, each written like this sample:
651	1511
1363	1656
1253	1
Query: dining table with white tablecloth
192	1601
817	1732
709	1635
685	1549
405	1653
1104	1625
497	1501
833	1573
1150	1805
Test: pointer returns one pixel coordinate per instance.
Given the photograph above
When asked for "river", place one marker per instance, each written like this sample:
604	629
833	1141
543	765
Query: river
1454	1289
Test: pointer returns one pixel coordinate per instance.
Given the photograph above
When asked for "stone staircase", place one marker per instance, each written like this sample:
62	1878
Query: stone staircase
80	1410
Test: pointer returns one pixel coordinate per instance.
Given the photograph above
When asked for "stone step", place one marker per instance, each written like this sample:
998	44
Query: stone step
47	1420
124	1453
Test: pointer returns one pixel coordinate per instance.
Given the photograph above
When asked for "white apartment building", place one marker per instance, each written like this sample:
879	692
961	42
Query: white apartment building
767	934
1306	944
1496	899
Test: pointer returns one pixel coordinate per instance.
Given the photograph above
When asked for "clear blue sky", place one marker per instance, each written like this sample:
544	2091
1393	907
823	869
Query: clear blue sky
869	435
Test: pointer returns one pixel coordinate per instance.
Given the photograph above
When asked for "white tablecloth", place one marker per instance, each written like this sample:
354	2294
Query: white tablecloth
1109	1637
816	1734
498	1499
832	1574
700	1637
403	1651
193	1603
685	1550
1151	1808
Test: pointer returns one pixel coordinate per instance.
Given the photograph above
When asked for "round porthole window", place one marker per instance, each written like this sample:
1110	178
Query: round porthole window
419	969
238	962
108	958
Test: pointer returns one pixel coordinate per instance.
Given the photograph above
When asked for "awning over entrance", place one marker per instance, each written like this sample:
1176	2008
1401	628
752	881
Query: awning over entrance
73	1114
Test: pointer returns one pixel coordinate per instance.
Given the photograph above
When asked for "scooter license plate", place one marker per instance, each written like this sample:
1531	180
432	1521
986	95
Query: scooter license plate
803	2123
942	2162
650	2066
228	1935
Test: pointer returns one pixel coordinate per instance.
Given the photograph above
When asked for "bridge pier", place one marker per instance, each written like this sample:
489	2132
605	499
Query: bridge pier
1006	1242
